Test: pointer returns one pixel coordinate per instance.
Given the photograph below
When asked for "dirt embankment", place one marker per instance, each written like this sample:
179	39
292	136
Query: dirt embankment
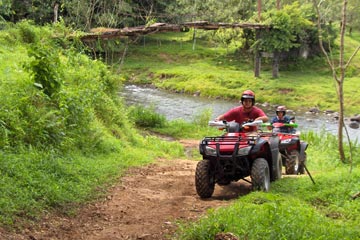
145	204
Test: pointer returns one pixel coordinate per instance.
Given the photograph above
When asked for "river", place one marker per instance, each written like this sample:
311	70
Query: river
182	106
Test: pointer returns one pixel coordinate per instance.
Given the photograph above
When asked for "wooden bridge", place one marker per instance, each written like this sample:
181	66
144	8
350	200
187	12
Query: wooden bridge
111	33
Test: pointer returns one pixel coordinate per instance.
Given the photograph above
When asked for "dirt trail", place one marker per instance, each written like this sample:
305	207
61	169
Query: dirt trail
144	205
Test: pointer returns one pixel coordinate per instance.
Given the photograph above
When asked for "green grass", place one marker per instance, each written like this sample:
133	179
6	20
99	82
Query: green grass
217	72
279	215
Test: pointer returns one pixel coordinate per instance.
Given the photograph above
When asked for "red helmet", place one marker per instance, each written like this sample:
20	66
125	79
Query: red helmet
248	94
281	109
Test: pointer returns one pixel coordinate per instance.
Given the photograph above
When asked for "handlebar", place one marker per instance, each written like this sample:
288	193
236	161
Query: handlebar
294	125
225	124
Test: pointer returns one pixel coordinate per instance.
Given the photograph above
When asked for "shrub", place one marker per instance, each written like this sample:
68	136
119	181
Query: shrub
146	117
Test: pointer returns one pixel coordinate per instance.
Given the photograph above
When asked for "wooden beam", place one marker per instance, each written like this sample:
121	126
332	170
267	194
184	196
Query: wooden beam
111	33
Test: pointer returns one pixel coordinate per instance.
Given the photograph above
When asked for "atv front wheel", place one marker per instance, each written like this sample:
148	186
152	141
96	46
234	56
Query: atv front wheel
277	169
260	175
293	162
204	180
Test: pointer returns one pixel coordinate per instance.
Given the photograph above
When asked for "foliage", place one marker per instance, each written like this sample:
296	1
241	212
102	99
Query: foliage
229	37
45	68
146	117
63	146
289	28
5	8
39	11
212	10
56	102
110	13
84	14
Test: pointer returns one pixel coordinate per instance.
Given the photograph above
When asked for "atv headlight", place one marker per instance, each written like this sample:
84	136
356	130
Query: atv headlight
244	151
210	151
286	141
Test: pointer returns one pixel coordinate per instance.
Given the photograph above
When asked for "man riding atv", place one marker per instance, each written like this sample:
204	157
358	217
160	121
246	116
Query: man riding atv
246	112
240	152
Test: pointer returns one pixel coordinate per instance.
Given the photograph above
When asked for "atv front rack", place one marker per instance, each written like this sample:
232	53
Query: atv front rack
227	146
230	139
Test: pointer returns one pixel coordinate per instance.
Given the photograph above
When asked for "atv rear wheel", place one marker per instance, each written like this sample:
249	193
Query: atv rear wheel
293	163
260	175
204	179
302	164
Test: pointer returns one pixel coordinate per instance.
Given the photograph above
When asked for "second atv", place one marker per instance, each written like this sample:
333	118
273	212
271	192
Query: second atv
292	149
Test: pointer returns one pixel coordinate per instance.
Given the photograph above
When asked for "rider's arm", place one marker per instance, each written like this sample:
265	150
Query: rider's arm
261	115
220	117
263	118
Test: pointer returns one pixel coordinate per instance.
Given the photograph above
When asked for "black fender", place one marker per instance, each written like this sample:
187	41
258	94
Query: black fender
272	156
274	142
256	148
274	148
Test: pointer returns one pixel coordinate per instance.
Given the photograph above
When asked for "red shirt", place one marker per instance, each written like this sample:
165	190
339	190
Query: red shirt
238	115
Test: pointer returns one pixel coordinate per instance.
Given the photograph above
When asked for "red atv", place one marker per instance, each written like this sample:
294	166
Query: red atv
236	155
292	149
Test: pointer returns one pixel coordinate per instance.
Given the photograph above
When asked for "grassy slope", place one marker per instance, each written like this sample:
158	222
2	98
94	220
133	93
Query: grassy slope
168	61
40	178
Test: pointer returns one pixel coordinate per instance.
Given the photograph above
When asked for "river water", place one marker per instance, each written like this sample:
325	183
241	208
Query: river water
181	106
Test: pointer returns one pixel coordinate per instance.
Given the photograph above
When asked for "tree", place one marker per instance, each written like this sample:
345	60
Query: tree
290	26
212	10
353	12
338	68
40	11
87	14
5	8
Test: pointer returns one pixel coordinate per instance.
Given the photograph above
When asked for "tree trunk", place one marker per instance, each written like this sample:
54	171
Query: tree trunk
341	122
194	39
257	57
56	10
278	4
257	64
340	83
275	66
259	10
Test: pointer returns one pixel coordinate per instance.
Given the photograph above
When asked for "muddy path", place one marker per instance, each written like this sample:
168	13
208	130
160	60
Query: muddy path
145	204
